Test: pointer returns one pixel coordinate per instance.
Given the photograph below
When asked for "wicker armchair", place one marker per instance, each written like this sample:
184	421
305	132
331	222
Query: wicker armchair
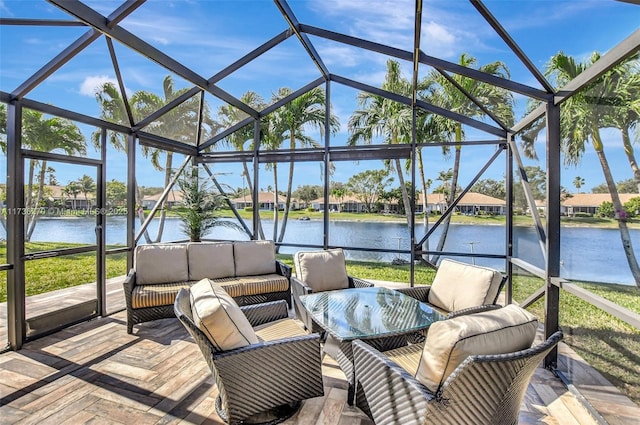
483	389
459	289
266	380
319	271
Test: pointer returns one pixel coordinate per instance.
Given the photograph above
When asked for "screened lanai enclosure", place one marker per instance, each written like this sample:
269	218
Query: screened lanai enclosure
301	115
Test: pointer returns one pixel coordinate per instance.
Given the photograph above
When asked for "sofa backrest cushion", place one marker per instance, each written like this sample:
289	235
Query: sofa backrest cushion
210	260
460	285
450	342
218	316
254	258
161	263
322	270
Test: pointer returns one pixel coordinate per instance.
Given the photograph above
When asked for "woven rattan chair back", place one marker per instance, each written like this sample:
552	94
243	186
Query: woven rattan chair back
489	389
182	308
483	390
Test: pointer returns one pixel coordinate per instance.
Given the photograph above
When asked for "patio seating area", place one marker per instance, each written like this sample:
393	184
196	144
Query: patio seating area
122	102
95	372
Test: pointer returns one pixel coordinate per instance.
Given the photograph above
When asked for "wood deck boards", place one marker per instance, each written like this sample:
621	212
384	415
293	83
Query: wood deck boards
95	373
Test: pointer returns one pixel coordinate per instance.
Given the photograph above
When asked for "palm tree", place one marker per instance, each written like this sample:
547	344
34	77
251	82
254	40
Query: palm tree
46	135
87	185
306	110
72	189
200	207
381	117
624	112
578	182
496	100
580	123
271	138
242	139
178	124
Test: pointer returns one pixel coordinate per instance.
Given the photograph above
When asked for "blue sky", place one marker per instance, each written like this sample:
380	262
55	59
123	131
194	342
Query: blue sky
209	35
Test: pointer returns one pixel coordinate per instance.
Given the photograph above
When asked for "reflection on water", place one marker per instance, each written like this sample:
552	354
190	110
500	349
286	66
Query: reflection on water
590	254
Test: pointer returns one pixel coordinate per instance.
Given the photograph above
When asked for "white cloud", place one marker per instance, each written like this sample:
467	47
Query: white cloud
91	84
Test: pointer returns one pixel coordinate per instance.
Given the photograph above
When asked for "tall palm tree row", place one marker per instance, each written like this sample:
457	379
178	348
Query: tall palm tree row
582	116
243	139
180	123
45	134
290	122
379	117
624	109
440	92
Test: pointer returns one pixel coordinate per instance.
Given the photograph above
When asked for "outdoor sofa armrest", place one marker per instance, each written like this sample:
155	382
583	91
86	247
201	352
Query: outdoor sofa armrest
130	280
355	282
383	388
473	310
128	284
277	372
282	269
257	314
420	293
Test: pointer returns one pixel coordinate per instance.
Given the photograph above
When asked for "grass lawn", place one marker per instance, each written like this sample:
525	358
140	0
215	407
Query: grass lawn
608	344
49	274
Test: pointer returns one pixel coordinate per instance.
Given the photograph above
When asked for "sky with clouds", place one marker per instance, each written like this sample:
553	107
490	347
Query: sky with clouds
209	35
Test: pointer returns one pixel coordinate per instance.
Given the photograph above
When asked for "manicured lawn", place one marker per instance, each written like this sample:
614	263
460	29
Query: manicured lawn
49	274
608	344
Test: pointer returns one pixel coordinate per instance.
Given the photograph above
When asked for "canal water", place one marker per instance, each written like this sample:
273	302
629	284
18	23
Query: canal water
587	253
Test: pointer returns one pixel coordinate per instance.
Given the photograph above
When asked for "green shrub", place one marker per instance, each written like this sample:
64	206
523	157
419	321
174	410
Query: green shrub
606	210
632	207
248	209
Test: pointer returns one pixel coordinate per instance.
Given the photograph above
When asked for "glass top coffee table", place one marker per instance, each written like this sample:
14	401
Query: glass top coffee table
383	317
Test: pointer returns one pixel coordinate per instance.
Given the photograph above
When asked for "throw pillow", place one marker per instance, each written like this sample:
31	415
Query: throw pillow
219	317
322	270
460	285
450	342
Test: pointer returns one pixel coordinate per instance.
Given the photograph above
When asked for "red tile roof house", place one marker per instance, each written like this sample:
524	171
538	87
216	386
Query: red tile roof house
590	202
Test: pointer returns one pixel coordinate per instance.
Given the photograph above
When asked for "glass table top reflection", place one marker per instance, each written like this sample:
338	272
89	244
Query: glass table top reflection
361	313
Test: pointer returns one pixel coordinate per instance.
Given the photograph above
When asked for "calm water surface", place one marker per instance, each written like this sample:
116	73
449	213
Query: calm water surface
587	253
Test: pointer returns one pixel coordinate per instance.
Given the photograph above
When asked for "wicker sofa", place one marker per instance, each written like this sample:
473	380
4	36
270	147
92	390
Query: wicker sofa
247	270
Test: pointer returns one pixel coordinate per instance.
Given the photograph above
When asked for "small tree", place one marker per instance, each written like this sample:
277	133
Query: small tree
368	185
199	212
116	193
606	210
632	207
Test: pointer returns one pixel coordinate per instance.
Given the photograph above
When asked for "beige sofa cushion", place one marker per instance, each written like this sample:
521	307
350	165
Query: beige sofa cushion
450	342
210	260
161	263
219	317
254	258
322	270
460	285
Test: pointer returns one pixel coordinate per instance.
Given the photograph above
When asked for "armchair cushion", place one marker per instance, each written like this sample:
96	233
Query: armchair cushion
322	270
218	316
210	260
279	329
450	342
254	258
161	263
459	285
